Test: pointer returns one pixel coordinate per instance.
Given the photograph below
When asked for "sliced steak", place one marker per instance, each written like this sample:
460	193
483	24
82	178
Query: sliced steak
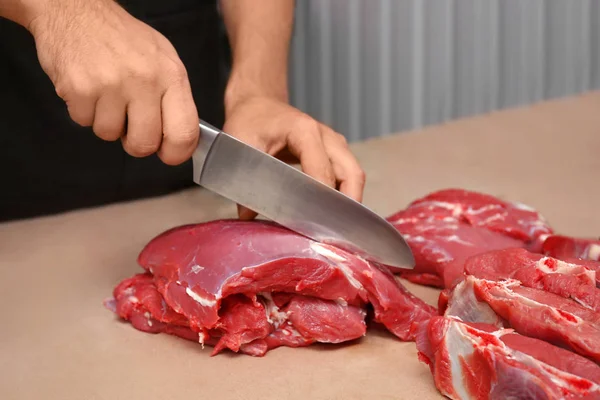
440	249
572	247
474	361
251	327
512	219
578	250
446	227
531	312
136	300
567	279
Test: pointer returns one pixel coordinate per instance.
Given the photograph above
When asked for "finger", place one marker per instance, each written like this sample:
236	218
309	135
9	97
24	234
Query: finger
144	126
180	124
307	145
348	171
245	213
81	108
109	118
80	95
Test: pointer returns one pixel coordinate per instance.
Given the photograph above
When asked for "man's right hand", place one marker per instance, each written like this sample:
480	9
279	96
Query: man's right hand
119	76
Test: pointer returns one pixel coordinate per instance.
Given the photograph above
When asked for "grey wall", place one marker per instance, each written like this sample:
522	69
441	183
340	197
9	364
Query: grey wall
373	67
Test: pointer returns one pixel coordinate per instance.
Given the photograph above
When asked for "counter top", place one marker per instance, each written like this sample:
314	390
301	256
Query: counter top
57	341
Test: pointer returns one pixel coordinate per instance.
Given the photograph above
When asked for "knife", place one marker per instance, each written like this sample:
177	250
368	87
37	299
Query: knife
291	198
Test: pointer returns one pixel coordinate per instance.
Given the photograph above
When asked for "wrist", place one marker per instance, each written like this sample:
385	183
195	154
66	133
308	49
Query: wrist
22	12
60	15
242	87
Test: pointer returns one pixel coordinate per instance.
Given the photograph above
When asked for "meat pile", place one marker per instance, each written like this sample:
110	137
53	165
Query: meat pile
253	286
446	227
518	316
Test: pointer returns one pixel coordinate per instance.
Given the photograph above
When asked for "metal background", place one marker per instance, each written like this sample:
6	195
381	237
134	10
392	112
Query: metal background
371	67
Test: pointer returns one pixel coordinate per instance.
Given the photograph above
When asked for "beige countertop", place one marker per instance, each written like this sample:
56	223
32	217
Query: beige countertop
57	341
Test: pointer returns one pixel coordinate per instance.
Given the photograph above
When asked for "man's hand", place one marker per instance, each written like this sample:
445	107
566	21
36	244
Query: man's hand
119	76
283	131
256	98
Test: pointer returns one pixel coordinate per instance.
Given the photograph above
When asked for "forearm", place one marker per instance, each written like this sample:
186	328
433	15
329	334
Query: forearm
259	35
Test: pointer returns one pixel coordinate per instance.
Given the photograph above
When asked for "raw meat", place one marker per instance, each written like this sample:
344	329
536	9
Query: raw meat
475	361
446	227
582	251
290	320
253	285
569	247
440	249
137	300
513	219
531	312
570	280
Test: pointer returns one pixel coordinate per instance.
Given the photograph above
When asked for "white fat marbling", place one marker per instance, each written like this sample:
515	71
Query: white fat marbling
524	207
593	251
325	252
456	239
563	267
199	299
340	262
459	348
275	316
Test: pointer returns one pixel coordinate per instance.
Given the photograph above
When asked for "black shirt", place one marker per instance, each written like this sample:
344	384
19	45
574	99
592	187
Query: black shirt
49	164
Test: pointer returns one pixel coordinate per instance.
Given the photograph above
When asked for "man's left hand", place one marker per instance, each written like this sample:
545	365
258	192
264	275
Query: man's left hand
285	132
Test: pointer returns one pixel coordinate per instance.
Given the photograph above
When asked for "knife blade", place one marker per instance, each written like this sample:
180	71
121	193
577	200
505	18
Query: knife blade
291	198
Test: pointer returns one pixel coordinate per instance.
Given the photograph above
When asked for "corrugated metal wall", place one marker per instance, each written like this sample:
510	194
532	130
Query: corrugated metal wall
373	67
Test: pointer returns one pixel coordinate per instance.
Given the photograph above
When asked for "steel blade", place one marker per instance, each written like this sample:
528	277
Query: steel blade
294	200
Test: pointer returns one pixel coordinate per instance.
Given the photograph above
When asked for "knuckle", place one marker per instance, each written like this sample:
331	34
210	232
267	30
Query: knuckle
147	74
341	139
75	87
306	132
62	90
83	87
176	72
362	175
308	125
110	79
183	137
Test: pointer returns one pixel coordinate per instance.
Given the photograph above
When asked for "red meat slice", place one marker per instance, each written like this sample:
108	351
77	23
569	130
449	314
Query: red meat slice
531	312
440	249
578	250
513	219
136	300
471	361
197	268
558	357
244	325
569	247
326	321
571	280
446	227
